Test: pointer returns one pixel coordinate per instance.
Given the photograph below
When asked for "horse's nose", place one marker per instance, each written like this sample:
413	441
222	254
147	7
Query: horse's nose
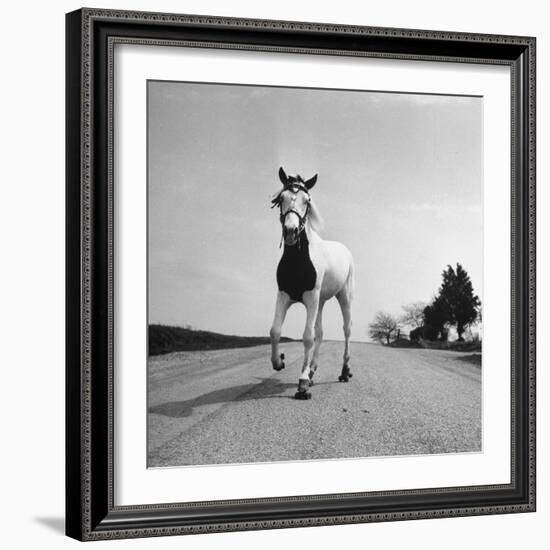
290	231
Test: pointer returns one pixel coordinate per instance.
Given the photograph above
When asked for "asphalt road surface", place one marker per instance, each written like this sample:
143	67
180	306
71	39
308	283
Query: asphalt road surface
229	406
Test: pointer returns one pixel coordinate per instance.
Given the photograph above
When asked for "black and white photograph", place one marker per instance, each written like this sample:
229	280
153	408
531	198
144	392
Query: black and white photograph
273	275
300	275
315	273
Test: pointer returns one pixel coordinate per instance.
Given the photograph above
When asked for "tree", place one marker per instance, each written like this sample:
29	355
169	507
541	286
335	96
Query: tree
413	314
458	303
435	316
384	328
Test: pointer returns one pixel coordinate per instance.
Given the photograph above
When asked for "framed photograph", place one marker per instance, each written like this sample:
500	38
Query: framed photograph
300	274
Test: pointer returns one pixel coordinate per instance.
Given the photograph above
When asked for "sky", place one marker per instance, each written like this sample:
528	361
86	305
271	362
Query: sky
400	184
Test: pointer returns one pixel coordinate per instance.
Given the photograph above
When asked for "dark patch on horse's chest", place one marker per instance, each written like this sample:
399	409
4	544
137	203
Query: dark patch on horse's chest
295	273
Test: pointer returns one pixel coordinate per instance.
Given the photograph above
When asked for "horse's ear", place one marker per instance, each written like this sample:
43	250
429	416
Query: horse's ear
282	176
311	182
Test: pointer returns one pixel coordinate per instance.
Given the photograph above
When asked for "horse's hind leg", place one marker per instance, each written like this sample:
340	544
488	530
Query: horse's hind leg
317	345
311	301
344	299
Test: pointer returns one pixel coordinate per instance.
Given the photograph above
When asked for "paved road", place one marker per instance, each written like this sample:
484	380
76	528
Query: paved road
229	406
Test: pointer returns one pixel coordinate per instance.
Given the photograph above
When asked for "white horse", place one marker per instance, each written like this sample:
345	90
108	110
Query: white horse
311	271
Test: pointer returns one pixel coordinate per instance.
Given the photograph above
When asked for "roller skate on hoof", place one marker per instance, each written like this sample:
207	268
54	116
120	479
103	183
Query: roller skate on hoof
281	365
303	392
345	375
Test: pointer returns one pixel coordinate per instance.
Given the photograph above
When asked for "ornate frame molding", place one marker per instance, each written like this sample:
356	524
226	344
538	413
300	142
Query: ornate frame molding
91	36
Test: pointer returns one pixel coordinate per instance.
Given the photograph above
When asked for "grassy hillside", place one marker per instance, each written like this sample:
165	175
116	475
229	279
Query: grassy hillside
166	339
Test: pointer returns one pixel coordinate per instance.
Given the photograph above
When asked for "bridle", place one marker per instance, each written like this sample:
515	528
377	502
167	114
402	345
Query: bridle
294	187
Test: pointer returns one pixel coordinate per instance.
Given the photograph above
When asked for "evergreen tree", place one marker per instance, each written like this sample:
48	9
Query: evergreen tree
435	318
458	304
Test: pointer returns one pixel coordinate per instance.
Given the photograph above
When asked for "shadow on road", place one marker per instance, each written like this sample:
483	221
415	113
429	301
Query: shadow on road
266	389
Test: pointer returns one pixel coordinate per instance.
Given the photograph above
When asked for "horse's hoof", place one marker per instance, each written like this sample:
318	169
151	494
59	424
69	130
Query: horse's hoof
282	365
345	375
302	395
311	382
302	392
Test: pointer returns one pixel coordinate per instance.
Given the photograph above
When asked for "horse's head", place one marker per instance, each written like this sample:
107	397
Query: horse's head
294	202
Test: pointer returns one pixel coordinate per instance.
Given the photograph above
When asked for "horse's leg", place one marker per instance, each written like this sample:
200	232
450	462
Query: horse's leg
311	301
281	307
344	299
317	345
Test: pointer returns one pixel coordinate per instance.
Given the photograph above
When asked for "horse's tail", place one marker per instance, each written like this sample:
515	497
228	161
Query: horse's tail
350	281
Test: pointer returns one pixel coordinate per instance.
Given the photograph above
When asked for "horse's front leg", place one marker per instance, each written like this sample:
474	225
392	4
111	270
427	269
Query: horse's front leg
311	301
281	307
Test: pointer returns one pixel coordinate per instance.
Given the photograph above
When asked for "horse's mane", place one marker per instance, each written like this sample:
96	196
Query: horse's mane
314	217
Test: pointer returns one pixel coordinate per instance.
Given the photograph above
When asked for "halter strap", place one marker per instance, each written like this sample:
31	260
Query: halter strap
301	225
300	217
293	187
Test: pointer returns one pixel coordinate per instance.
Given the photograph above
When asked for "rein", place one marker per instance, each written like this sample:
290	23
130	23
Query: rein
293	187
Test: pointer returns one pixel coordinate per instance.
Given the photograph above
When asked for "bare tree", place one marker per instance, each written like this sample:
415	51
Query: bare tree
384	328
413	314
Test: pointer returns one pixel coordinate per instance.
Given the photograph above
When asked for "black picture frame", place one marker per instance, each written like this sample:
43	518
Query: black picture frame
90	510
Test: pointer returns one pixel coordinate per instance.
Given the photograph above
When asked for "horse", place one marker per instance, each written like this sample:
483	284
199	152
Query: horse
311	271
